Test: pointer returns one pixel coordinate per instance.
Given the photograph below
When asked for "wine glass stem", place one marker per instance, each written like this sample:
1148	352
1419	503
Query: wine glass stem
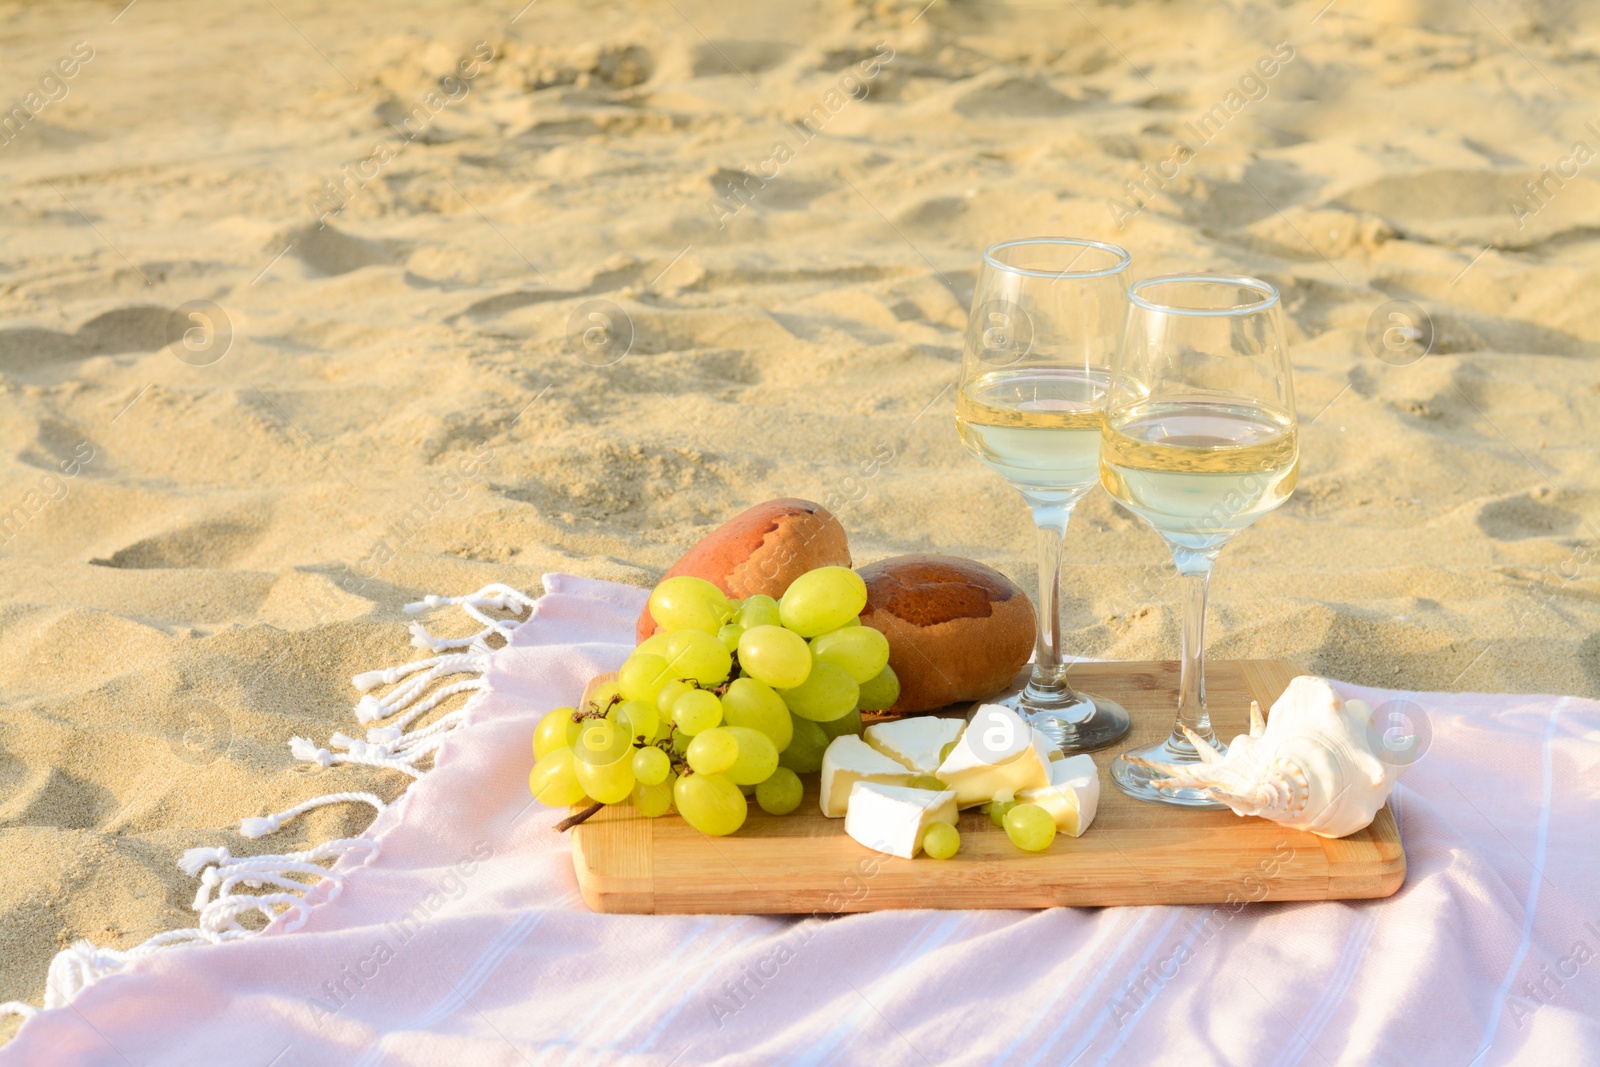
1196	579
1049	672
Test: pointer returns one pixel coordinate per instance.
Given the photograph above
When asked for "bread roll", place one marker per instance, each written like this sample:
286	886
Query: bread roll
762	550
957	630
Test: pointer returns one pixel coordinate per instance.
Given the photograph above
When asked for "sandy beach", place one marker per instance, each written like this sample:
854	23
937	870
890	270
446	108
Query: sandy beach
309	312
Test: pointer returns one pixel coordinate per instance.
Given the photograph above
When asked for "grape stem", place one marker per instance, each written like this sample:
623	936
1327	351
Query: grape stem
680	764
595	711
573	820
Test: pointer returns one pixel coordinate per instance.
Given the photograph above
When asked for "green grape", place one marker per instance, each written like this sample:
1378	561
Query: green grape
860	651
697	710
710	803
757	757
804	753
698	655
822	600
759	610
729	636
828	693
556	730
751	703
640	718
680	743
780	794
941	840
603	760
776	656
654	645
610	784
642	676
1030	827
947	748
687	603
855	620
926	781
605	694
882	691
653	800
651	765
670	692
601	742
554	781
844	724
997	811
713	751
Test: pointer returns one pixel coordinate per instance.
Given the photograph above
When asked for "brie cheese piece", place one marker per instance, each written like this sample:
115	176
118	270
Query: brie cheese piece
892	819
998	755
1072	795
849	760
916	742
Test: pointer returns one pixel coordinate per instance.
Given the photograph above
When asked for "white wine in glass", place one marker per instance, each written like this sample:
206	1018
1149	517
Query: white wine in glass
1199	441
1044	325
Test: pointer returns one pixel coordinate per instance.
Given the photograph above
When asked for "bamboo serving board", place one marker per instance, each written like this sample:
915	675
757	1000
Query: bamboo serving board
1133	853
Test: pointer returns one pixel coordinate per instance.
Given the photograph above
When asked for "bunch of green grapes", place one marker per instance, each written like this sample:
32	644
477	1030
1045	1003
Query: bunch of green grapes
729	699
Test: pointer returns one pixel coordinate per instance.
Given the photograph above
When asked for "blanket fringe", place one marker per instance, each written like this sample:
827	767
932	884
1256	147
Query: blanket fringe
279	881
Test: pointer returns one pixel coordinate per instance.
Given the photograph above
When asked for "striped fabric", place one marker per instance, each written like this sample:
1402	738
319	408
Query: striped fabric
464	941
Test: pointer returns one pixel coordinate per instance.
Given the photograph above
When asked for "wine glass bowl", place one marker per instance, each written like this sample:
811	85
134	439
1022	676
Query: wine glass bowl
1199	441
1046	316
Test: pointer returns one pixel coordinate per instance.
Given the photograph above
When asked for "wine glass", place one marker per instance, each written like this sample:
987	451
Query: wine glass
1044	325
1199	442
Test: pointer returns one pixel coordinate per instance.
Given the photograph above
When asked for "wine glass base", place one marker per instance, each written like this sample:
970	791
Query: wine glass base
1073	722
1135	780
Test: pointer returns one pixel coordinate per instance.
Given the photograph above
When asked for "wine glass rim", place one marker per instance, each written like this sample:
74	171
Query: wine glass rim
1268	291
1123	258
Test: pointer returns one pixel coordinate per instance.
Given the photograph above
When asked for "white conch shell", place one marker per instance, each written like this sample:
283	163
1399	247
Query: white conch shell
1310	766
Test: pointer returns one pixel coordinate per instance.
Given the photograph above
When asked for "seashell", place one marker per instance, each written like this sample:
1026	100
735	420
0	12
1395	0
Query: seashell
1312	765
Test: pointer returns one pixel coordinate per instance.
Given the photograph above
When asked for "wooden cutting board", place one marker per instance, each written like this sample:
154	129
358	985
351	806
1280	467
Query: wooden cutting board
1133	853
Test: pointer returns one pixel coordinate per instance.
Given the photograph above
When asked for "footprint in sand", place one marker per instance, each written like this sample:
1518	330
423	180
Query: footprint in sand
1517	518
204	545
736	57
1480	206
142	328
329	251
199	333
52	797
1016	98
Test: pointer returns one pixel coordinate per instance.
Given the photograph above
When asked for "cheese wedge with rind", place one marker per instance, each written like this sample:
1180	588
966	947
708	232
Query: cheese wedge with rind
915	742
849	760
892	819
997	755
1073	795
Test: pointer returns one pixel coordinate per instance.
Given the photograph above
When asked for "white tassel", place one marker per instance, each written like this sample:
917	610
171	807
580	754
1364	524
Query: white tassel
254	827
220	905
82	963
261	826
197	859
289	876
371	708
498	597
303	749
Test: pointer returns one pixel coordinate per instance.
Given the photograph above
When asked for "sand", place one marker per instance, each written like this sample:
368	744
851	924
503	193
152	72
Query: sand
204	537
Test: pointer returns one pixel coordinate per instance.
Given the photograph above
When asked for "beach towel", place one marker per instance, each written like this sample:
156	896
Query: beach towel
451	932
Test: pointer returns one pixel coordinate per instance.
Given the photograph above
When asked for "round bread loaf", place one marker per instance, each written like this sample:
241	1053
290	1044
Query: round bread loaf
957	630
762	550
